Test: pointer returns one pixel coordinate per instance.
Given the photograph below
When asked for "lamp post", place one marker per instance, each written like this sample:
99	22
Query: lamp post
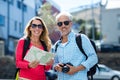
22	9
103	3
8	23
93	23
35	7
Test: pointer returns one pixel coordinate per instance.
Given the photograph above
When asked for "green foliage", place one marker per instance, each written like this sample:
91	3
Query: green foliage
83	27
80	21
46	14
96	34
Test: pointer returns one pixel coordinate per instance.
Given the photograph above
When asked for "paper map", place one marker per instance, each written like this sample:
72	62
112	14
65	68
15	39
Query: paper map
35	53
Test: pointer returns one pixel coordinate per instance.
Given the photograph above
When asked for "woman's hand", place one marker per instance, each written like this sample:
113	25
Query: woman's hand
33	64
50	62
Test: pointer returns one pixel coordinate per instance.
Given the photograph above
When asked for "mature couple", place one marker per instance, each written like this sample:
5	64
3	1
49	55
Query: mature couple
66	52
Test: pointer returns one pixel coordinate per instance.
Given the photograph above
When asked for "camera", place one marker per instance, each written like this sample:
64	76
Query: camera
65	68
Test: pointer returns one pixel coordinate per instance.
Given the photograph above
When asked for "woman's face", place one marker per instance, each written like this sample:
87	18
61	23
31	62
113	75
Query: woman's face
36	28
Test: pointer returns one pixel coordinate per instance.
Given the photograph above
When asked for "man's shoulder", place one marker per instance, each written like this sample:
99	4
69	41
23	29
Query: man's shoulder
57	42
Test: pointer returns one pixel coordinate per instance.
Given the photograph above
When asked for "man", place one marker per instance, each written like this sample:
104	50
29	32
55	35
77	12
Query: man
68	52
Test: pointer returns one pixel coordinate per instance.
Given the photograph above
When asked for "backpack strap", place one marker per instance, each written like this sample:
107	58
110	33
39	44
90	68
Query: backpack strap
56	46
79	44
94	45
44	45
25	46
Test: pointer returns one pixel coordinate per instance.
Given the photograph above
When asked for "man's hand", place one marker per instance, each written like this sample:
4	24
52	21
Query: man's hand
72	69
58	67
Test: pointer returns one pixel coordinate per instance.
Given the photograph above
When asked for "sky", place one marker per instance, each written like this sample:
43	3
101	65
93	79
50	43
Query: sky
73	5
113	4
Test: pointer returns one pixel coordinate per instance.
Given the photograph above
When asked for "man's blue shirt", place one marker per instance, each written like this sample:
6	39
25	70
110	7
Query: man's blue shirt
69	52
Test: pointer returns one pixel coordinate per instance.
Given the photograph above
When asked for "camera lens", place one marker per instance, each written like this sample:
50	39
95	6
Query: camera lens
65	69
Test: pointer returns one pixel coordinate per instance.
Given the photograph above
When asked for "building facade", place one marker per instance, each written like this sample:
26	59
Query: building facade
14	14
110	25
107	21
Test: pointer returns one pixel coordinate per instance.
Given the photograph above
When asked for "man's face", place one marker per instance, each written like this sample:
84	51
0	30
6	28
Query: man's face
64	25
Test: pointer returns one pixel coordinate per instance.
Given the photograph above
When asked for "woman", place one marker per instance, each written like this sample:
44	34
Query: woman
37	32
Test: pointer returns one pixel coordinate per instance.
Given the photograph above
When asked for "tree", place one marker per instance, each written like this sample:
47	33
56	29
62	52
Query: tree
86	27
45	13
81	22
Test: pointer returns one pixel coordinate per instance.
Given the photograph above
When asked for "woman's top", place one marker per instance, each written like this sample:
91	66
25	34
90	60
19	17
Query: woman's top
37	73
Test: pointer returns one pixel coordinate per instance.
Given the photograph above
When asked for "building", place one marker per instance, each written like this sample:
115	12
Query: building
14	14
107	21
110	25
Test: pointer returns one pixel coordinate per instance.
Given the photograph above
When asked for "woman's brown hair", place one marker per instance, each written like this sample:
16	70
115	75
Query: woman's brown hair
45	34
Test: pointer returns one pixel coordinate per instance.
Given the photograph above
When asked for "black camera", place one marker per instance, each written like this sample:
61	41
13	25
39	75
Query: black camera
65	68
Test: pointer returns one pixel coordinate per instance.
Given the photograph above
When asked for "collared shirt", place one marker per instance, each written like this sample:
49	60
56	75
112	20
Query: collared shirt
70	52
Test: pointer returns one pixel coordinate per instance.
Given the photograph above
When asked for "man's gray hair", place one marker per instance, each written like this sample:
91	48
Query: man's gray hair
65	14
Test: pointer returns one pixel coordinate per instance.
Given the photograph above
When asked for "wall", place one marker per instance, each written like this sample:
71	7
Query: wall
110	59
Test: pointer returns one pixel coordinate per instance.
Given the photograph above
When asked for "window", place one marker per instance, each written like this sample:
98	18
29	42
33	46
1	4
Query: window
20	27
24	8
19	4
2	20
11	2
15	26
118	22
119	39
4	0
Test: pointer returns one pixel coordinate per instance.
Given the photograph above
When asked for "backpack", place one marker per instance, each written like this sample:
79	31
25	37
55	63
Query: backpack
92	70
26	47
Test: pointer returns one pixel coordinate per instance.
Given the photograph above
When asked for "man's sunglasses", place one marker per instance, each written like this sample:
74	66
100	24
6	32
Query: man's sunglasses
61	23
40	26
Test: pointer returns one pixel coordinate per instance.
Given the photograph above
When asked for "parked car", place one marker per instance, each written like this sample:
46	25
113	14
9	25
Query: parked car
103	73
110	48
98	44
107	48
106	73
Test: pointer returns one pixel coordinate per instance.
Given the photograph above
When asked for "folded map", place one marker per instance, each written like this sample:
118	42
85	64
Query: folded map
35	53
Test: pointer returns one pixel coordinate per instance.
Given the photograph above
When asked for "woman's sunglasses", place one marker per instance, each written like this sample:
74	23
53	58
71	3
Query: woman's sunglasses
40	26
65	23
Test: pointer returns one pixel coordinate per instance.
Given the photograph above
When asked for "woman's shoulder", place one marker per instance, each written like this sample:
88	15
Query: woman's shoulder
21	40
